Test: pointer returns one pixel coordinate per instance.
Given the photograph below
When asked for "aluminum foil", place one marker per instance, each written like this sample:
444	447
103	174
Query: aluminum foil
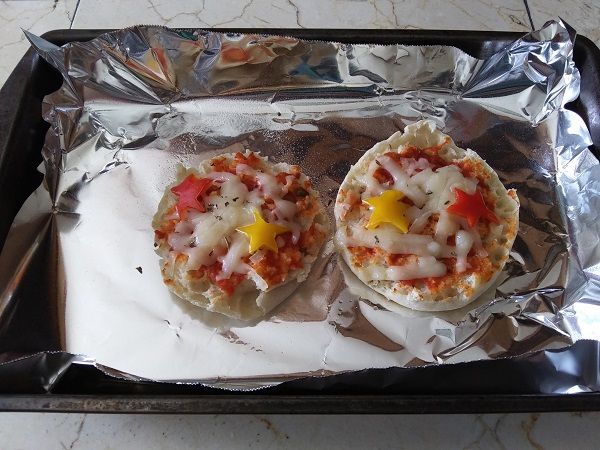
137	102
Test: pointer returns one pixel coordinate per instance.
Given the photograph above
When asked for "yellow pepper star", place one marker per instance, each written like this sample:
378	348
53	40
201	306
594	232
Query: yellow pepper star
387	208
262	233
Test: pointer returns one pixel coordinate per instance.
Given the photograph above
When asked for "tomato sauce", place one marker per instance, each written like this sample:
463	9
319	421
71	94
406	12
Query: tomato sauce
212	272
383	176
274	267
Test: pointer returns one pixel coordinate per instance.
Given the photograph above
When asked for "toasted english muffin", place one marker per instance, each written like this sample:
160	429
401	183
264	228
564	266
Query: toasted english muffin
234	232
423	222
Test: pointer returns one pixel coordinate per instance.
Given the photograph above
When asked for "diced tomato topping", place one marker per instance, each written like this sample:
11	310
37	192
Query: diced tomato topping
249	180
268	205
213	188
362	255
274	267
222	165
383	176
228	286
413	152
166	228
396	259
308	237
251	160
282	177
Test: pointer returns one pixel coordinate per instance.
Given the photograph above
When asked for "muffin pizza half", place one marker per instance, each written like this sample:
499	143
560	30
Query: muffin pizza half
234	231
423	222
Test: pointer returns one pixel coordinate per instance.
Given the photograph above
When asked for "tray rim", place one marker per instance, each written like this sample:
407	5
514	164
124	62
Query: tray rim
304	403
301	404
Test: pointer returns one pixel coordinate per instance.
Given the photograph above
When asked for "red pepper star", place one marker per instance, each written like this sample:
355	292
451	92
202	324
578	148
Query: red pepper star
471	207
189	191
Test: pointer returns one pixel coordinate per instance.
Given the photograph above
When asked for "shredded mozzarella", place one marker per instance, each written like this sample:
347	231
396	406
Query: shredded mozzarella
373	187
464	242
269	185
419	223
285	209
402	181
210	227
258	280
445	227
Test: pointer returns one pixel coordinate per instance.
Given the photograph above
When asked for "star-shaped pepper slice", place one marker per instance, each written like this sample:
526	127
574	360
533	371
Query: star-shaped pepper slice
188	193
262	233
471	207
387	208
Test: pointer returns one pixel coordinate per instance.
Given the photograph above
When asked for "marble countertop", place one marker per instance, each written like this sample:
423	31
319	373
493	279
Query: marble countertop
468	431
465	431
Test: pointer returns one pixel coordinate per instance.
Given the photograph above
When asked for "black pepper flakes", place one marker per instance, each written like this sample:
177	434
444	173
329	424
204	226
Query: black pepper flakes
139	269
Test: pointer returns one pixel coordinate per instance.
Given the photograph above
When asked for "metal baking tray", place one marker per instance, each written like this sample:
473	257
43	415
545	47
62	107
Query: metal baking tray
508	385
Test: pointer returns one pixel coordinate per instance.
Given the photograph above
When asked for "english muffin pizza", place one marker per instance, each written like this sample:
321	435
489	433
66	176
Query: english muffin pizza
232	232
423	222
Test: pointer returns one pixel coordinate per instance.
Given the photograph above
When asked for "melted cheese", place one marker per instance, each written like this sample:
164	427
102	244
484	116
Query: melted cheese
445	227
232	260
200	256
373	188
210	227
182	237
419	223
210	237
423	267
431	191
285	209
269	185
442	184
402	181
464	242
388	239
231	186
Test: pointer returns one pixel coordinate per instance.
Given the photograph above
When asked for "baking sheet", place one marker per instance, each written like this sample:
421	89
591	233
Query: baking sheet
348	120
